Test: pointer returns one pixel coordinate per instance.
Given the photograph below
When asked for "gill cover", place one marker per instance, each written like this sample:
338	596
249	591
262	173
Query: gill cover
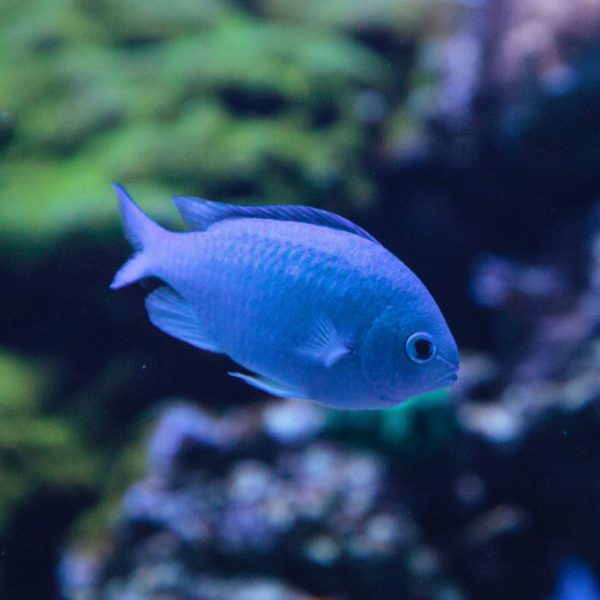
378	356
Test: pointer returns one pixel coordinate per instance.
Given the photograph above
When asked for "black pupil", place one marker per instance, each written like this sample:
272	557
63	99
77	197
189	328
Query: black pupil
423	348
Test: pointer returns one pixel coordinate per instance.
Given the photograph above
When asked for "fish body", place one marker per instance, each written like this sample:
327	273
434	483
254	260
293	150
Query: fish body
308	302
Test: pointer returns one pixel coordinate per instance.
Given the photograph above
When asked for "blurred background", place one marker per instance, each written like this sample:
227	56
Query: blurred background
463	134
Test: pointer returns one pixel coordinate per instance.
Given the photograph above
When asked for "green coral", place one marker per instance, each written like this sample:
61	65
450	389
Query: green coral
401	16
415	430
35	449
181	97
39	450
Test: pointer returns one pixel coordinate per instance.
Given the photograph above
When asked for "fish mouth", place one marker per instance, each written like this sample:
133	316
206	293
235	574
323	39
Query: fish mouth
448	378
453	366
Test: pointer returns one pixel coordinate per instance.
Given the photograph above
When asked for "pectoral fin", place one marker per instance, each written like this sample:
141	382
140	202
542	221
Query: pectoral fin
269	385
324	343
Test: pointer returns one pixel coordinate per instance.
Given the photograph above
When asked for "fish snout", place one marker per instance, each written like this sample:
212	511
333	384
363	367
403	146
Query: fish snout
454	365
451	370
449	379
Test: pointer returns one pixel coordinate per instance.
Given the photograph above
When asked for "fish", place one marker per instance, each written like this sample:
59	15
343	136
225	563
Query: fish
309	304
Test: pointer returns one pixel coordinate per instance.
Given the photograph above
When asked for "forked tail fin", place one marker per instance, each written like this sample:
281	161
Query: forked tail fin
141	231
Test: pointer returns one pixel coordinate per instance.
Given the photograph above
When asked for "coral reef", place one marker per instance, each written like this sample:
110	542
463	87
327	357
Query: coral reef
259	494
271	493
197	96
576	582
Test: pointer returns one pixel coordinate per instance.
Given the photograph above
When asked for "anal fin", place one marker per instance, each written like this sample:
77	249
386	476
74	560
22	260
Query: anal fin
269	386
174	315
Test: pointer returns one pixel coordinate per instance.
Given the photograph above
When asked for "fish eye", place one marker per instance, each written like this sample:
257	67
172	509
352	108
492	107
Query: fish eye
420	347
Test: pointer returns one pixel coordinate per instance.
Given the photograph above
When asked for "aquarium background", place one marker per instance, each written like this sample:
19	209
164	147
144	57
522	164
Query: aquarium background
465	135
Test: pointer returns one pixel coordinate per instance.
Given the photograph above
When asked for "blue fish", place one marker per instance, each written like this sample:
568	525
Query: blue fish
308	302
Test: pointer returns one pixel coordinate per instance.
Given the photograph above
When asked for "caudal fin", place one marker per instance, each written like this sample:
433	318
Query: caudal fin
140	230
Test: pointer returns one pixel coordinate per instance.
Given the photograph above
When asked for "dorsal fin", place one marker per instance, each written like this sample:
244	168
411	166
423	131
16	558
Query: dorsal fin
199	215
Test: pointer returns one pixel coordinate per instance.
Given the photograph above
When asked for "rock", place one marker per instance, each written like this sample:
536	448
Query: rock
316	510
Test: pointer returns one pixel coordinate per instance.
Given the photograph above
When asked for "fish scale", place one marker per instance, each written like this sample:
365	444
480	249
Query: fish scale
306	300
